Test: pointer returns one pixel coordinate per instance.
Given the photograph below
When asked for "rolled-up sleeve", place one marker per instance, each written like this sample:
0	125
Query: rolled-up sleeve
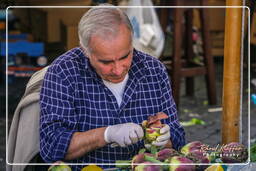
57	118
169	107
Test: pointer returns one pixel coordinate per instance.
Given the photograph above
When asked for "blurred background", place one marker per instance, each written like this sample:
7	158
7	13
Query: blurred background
37	36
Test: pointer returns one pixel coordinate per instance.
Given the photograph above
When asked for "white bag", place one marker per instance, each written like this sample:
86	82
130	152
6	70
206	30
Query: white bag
148	34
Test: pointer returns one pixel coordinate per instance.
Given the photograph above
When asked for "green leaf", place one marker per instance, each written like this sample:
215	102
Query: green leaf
186	110
253	153
193	121
205	102
123	164
152	159
153	149
143	150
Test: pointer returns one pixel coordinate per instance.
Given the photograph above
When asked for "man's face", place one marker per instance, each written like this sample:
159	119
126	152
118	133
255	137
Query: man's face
112	58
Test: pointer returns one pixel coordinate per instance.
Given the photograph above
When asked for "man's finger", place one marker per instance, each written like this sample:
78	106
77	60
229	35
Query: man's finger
127	140
113	145
159	144
163	137
165	129
139	131
134	137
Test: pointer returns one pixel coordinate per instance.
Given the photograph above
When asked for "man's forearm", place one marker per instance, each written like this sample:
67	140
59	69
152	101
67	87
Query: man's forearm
84	142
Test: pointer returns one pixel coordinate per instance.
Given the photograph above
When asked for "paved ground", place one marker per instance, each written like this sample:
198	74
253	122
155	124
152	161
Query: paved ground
189	107
210	133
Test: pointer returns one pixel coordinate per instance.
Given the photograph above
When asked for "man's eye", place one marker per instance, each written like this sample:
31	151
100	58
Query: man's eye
106	62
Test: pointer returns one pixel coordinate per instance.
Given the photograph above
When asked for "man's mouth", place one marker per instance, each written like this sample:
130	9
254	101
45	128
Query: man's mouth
116	78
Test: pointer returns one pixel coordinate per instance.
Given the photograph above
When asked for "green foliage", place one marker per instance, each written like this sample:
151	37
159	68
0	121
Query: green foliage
193	121
253	153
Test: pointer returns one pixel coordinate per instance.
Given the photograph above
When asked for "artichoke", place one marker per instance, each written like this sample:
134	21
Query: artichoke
152	126
234	152
59	166
188	148
166	153
148	167
179	161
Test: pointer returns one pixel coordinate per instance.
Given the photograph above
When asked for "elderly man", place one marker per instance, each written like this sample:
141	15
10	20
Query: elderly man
97	95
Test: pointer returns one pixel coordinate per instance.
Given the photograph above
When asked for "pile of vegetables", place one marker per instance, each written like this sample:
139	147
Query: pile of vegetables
192	154
168	159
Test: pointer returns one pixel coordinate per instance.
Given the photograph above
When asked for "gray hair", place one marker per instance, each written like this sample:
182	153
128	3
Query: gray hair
103	20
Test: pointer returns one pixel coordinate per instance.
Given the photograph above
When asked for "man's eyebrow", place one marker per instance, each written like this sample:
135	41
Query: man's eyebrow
105	61
125	56
109	61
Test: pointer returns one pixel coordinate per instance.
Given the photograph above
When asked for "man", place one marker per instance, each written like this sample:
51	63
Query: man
95	97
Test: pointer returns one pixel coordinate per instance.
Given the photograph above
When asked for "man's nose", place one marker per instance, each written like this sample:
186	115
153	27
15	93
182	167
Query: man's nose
117	69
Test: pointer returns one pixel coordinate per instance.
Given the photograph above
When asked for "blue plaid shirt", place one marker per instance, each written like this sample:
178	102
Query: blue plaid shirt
74	98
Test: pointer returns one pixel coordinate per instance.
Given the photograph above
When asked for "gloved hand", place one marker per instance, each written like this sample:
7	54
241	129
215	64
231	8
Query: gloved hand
123	134
163	139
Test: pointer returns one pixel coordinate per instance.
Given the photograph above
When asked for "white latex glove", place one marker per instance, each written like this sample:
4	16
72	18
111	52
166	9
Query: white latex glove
163	139
123	134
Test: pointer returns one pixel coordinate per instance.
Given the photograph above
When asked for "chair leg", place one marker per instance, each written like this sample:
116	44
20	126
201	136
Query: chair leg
176	64
189	49
209	64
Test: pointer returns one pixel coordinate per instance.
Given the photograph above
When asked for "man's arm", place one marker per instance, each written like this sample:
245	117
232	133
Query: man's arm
59	136
58	122
122	134
84	142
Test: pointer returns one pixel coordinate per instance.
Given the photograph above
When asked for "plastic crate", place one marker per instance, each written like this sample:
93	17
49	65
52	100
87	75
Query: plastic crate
22	36
32	49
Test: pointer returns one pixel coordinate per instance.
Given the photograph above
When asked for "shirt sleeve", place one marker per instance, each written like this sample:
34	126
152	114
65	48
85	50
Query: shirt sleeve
57	119
169	107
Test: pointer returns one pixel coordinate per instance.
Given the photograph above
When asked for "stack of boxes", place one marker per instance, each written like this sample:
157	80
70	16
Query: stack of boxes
24	56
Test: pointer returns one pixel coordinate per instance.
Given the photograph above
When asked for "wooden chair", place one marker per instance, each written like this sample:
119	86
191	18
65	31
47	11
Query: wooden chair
182	66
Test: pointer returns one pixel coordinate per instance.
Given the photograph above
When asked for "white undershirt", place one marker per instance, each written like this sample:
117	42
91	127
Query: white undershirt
117	88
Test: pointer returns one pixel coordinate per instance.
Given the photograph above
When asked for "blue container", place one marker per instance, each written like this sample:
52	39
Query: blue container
22	36
32	49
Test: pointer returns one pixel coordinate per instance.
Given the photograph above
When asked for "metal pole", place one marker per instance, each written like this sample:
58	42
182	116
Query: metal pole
232	73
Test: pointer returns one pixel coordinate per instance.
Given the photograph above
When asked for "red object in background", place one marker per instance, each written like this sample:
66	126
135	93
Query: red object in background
13	68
